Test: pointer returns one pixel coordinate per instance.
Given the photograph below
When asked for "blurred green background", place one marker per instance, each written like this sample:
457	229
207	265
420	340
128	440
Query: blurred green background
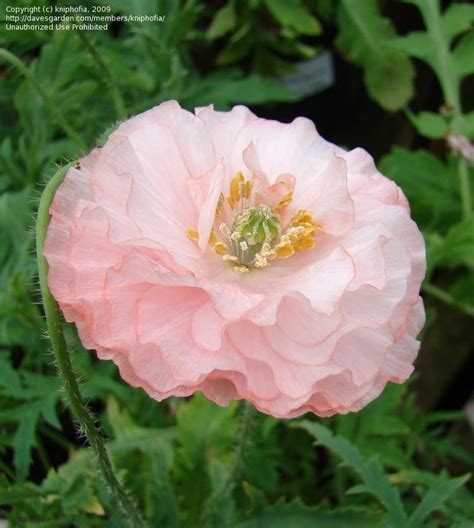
393	77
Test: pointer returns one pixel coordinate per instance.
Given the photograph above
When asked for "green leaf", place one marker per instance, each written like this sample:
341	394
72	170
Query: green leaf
222	92
465	124
238	45
370	471
293	14
418	44
459	505
9	379
203	430
23	441
17	493
463	289
428	124
147	454
366	38
433	46
78	495
430	186
223	22
457	248
39	395
456	19
297	515
434	499
201	422
224	507
463	56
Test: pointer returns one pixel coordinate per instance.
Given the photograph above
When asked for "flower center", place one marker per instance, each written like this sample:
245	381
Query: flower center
253	228
257	234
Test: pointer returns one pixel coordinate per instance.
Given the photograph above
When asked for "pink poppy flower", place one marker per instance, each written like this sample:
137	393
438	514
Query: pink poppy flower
241	257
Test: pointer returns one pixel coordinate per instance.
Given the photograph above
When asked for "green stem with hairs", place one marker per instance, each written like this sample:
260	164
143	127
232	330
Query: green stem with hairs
63	361
235	473
56	115
108	76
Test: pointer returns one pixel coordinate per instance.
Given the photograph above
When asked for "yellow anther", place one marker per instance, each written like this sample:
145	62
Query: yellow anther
219	205
301	217
286	200
236	185
213	239
283	250
220	248
306	242
247	189
231	202
192	234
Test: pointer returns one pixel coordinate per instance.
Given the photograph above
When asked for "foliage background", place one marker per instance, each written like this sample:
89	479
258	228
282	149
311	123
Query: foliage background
404	91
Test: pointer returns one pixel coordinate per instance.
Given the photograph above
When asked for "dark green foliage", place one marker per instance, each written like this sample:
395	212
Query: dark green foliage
266	33
189	463
366	38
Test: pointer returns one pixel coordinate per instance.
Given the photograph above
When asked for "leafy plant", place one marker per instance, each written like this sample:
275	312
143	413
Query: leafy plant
367	39
268	32
444	47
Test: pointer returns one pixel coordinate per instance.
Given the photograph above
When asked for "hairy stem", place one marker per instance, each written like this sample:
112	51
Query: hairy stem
56	115
63	361
108	76
235	473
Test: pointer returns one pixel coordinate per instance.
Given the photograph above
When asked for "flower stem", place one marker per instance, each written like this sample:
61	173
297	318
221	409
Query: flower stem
57	116
446	297
64	364
109	78
242	439
464	187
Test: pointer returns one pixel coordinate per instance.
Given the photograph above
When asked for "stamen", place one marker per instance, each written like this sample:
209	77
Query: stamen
224	229
303	216
284	249
242	269
231	202
192	234
261	261
220	249
256	236
236	186
247	189
220	202
286	200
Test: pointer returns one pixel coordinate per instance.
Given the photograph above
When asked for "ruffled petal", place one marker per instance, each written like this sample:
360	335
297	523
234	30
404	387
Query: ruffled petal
322	331
328	198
